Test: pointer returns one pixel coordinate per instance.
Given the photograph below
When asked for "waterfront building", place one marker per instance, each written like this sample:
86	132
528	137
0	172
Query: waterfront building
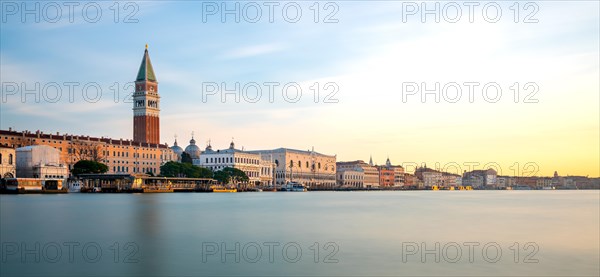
267	171
386	177
370	173
248	162
480	178
350	178
121	156
432	178
506	181
543	182
428	177
7	162
451	180
307	167
40	161
390	175
410	180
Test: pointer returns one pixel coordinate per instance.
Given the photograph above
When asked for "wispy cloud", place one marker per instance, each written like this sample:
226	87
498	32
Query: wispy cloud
251	51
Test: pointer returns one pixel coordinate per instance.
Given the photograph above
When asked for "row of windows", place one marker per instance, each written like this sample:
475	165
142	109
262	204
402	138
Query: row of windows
307	165
107	153
127	162
135	170
306	176
10	159
230	160
351	177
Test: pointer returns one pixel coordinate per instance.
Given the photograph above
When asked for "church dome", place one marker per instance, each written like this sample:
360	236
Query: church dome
177	149
193	150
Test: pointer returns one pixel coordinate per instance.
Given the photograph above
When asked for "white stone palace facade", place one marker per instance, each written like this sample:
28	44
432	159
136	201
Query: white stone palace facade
307	167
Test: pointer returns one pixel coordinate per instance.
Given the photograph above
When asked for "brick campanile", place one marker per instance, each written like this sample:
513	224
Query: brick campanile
146	123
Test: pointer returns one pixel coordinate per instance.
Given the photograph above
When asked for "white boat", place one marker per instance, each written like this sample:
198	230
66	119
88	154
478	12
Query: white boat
294	186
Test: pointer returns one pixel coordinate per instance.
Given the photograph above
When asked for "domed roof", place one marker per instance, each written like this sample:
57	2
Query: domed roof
176	148
193	150
208	148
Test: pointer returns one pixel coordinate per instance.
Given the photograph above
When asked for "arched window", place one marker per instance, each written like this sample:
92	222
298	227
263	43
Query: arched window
276	163
10	159
291	163
319	165
0	158
299	164
307	164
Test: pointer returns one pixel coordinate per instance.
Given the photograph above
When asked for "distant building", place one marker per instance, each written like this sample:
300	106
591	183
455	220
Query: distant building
451	180
429	177
350	178
386	177
7	162
40	161
308	167
267	171
506	181
480	178
410	180
390	175
370	173
248	162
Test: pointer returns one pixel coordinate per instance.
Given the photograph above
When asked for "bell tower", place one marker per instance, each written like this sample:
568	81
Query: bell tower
146	109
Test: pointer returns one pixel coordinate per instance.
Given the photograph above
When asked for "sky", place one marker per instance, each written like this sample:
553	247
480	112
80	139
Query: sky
508	85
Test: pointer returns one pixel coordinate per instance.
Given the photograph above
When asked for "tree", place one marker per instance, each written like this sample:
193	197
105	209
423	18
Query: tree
186	158
87	150
176	169
237	175
87	167
222	177
170	169
230	174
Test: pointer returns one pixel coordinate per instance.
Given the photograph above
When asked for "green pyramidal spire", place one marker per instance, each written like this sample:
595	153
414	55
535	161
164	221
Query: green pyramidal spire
146	72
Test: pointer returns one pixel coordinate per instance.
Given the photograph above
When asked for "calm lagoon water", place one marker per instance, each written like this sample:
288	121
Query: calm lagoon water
441	233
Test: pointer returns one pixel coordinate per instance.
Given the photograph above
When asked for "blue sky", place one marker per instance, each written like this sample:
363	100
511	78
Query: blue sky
368	54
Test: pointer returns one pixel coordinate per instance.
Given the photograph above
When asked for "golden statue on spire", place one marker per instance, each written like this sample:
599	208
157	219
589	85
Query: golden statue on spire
146	46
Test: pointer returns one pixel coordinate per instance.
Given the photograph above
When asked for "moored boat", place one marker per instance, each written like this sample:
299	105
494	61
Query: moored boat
222	189
294	186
